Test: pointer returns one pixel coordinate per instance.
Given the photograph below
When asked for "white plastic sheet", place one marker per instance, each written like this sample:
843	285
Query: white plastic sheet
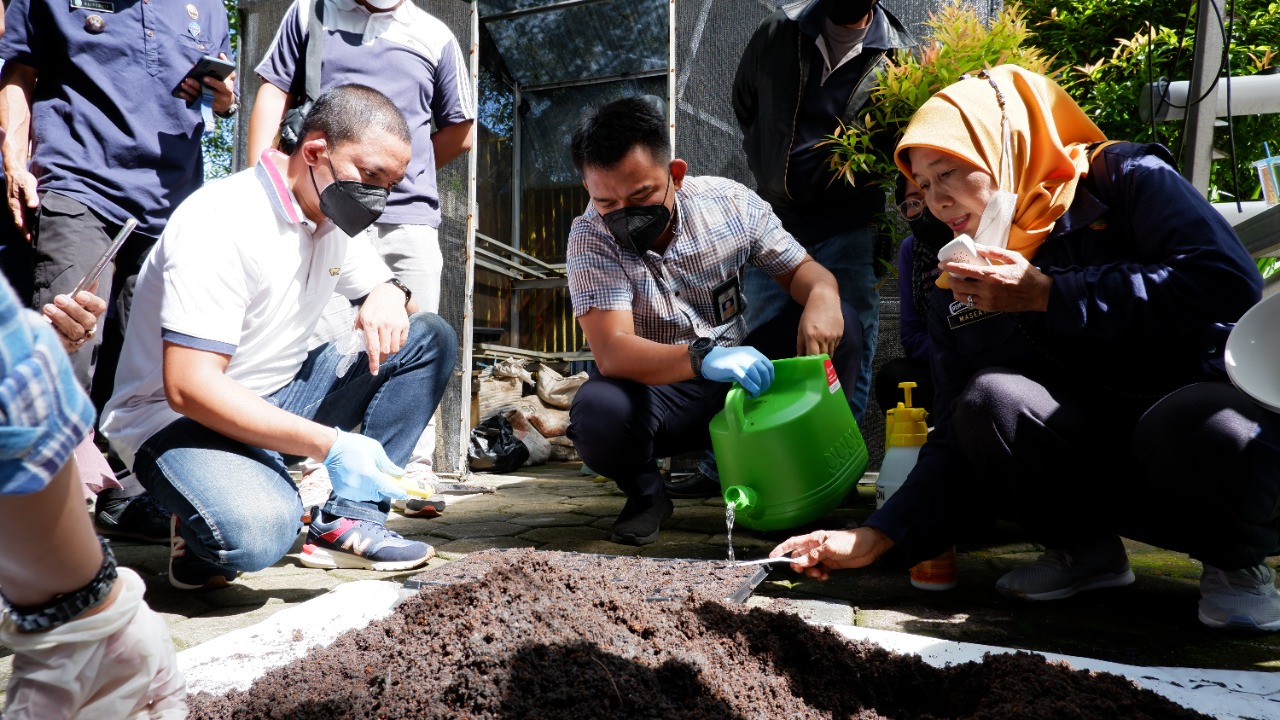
1226	694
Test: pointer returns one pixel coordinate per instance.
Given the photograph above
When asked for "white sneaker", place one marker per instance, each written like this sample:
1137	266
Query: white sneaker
1059	574
423	481
1240	598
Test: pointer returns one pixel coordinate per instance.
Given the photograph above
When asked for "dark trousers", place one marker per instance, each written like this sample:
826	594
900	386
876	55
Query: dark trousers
1197	471
619	427
68	237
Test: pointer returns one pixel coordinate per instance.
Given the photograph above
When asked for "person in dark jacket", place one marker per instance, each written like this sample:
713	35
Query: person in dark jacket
809	69
1080	377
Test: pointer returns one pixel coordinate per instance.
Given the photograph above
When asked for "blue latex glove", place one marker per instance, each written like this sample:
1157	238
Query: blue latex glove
360	469
747	365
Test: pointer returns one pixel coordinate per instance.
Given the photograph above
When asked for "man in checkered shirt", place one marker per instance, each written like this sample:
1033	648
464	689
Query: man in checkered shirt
655	266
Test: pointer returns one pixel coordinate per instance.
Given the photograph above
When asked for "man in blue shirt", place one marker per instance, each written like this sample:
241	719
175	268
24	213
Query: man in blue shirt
90	88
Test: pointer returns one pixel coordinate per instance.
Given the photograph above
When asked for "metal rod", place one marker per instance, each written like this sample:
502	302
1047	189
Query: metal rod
1197	146
496	268
595	80
555	282
512	264
507	248
550	7
671	75
517	200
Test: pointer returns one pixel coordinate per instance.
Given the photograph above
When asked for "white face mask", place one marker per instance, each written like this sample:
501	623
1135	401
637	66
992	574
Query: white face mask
997	218
383	4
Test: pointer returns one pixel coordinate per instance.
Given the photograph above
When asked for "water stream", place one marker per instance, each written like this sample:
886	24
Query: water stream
728	521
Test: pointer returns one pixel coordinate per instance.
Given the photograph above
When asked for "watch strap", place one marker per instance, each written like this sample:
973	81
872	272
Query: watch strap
698	350
64	608
402	288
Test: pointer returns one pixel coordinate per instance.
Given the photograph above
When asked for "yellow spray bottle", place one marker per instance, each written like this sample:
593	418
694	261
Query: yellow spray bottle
906	430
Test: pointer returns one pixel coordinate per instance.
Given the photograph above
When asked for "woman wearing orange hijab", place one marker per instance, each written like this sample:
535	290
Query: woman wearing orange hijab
1079	382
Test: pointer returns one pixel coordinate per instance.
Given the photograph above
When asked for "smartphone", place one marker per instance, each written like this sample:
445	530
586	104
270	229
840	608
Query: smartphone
205	67
962	250
116	243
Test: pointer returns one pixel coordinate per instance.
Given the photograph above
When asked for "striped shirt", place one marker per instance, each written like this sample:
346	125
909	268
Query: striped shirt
721	227
43	412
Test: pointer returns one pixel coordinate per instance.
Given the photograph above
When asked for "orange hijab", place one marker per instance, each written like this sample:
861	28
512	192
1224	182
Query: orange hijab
1049	136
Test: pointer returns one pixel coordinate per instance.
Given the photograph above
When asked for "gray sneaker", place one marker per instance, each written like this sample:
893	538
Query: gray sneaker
1059	574
1240	598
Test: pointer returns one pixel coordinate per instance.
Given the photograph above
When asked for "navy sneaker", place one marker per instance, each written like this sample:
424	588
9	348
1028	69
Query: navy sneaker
137	518
188	572
338	542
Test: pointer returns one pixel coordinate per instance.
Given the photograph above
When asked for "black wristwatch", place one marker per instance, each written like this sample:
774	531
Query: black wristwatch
402	288
65	608
698	350
231	110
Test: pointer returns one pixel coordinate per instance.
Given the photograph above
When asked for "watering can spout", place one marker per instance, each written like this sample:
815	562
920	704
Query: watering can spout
743	500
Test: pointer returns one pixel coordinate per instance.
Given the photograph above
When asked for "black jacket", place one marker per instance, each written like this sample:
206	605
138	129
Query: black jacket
771	76
1148	281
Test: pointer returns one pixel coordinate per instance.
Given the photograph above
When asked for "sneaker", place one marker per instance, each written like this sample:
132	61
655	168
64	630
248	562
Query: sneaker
419	508
340	542
640	520
188	572
696	485
1240	598
1059	574
137	518
423	484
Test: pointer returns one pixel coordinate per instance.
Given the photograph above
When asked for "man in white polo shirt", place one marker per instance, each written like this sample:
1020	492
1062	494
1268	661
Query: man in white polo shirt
216	391
412	57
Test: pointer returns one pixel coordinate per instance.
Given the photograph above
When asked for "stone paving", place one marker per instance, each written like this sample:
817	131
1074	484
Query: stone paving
556	507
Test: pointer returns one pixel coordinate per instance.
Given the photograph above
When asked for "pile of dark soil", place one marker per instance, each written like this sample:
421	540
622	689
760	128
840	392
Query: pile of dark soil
532	639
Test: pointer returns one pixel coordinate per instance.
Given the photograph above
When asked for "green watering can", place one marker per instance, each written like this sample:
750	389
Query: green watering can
790	456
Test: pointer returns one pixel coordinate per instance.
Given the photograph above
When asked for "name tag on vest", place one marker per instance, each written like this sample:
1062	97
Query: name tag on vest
962	315
98	5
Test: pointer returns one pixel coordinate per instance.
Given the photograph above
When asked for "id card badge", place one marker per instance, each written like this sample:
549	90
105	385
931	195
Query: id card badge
727	297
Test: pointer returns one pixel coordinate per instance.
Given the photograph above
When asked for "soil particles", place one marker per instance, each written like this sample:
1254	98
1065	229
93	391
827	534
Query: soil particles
532	635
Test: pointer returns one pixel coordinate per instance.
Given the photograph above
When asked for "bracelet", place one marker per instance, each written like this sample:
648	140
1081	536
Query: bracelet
64	608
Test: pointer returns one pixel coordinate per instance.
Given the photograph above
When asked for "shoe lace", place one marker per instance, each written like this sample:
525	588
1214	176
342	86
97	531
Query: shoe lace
1054	556
377	530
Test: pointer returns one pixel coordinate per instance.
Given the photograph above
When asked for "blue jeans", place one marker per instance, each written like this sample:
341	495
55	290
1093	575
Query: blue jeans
851	257
237	505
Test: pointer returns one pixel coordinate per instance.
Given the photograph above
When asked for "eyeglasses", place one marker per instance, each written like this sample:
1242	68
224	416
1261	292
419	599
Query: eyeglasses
911	209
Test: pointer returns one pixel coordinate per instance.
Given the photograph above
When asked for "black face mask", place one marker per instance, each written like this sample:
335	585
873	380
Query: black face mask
352	205
638	228
930	232
846	12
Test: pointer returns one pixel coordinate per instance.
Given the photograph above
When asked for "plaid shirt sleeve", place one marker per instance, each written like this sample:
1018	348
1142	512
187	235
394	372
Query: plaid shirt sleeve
773	249
597	277
44	414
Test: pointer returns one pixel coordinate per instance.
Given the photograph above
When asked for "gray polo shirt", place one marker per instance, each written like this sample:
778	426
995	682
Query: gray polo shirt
108	133
406	54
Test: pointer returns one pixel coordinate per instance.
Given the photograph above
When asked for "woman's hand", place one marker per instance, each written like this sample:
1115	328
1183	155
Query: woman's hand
822	551
1011	285
75	320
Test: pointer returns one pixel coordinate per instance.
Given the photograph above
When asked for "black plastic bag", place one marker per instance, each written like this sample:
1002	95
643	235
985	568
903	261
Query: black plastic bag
495	448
